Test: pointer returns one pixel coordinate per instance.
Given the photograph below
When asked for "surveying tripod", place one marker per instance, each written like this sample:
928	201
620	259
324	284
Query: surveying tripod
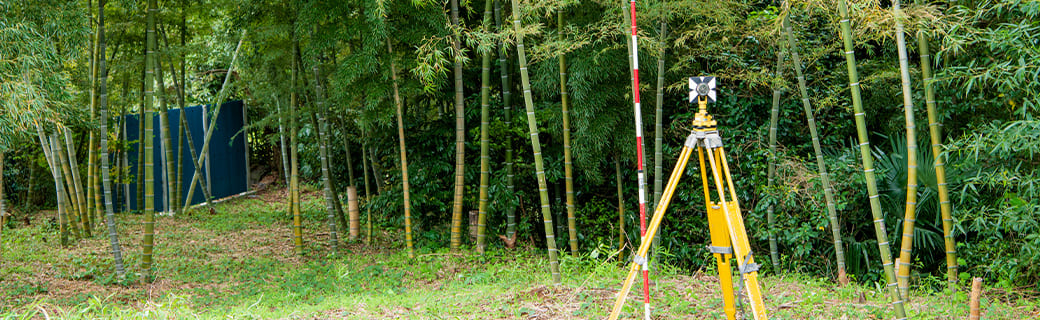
728	237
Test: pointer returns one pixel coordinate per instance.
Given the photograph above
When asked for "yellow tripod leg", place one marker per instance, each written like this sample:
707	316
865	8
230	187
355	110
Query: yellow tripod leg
651	230
720	242
737	232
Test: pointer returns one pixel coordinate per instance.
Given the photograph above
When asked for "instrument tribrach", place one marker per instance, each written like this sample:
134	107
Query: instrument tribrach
726	224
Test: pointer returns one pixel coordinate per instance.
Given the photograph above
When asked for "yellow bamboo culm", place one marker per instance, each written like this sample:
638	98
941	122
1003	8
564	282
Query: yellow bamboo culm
354	213
976	294
728	235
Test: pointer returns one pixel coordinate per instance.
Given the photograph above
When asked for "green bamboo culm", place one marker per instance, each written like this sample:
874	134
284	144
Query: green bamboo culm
868	161
568	165
368	196
294	179
72	177
323	128
539	164
620	205
935	136
110	220
404	154
507	106
910	215
148	240
166	140
828	191
72	212
485	158
59	187
774	115
460	133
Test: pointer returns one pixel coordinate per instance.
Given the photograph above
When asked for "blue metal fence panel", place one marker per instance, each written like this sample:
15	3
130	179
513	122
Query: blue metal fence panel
227	153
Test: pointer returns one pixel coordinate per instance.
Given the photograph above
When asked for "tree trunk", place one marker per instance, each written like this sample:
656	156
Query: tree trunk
460	134
294	179
536	146
71	164
281	145
868	162
167	143
73	212
368	197
828	191
507	105
50	152
935	136
110	219
567	162
404	154
774	115
485	170
149	186
910	215
323	128
620	205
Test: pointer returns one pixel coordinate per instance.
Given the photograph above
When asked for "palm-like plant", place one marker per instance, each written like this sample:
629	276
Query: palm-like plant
536	146
868	166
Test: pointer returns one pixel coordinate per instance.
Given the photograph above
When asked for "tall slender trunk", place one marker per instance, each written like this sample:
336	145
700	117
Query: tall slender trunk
71	167
659	120
507	105
74	212
828	191
50	151
620	205
910	216
377	170
294	179
568	167
281	144
935	136
868	161
191	148
149	185
485	170
166	140
368	197
536	146
460	133
323	128
350	160
110	219
404	154
774	115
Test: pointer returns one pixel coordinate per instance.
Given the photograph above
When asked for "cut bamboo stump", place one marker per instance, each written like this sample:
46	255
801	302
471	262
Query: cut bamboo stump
353	212
976	293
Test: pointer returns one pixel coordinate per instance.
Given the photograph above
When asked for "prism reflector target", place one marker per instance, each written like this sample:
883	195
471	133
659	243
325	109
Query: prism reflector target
702	86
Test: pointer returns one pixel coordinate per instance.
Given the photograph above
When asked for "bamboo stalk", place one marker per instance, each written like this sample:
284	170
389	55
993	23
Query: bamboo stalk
165	140
485	159
404	154
148	240
935	137
910	215
774	115
323	128
621	206
460	134
74	212
110	220
828	190
868	162
568	164
50	151
659	120
294	185
974	312
368	197
507	106
536	146
71	167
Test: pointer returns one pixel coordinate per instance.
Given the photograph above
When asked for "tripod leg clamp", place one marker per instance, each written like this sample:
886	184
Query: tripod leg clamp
747	266
640	260
720	250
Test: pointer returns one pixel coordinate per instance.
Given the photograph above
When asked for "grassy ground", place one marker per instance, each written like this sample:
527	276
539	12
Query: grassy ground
239	264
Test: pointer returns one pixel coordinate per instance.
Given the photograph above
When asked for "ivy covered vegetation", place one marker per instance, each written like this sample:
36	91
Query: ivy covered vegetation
870	143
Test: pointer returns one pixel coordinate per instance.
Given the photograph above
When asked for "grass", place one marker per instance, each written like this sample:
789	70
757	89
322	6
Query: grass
239	264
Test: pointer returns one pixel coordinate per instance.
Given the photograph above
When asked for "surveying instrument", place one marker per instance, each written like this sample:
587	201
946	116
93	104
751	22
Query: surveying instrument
728	237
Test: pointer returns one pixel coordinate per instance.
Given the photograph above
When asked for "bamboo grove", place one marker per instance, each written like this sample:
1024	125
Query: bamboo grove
820	98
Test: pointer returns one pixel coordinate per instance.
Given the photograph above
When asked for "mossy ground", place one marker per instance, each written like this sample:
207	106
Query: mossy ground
239	263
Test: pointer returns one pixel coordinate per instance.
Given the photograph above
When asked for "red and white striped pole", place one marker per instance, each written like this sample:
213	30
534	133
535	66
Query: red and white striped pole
639	161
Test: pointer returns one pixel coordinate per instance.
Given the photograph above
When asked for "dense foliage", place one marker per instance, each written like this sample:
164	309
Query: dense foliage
987	96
